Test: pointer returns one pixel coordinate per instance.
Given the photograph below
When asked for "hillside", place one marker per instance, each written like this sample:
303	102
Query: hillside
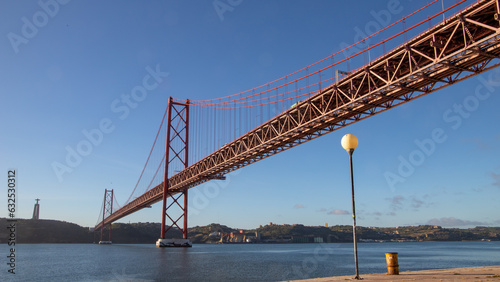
343	233
53	231
46	231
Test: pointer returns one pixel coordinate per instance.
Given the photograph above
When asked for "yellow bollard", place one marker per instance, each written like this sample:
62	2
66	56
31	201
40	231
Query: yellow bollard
392	263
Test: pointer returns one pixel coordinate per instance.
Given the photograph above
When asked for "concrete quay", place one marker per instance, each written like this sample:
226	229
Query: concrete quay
485	273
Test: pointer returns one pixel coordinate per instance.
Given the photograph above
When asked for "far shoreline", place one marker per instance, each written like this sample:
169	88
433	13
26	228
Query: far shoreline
256	243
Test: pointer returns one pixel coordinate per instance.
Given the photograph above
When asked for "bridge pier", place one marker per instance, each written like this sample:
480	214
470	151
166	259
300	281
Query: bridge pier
161	243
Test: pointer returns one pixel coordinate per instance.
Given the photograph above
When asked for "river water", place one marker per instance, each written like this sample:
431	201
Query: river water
249	262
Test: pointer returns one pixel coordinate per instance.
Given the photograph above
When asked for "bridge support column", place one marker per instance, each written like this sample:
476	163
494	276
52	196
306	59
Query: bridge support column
107	210
176	154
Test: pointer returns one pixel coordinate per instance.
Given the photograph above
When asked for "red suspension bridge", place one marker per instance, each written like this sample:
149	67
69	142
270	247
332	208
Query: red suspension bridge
207	139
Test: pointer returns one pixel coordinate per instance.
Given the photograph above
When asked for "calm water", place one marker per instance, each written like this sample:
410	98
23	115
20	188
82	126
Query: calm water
255	262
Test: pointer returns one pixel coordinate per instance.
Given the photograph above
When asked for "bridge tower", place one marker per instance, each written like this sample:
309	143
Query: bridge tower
176	152
36	210
107	210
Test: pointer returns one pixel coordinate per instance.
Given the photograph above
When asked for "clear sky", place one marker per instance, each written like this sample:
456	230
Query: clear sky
66	64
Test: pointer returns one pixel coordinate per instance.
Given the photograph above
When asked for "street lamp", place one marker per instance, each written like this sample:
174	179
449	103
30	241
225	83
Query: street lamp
349	143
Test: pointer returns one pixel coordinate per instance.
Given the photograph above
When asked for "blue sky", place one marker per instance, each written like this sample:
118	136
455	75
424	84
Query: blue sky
66	65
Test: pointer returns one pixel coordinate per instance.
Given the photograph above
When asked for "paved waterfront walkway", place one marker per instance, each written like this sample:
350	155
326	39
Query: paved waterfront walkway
487	273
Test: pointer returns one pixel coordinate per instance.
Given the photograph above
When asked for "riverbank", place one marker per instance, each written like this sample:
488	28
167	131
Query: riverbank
55	231
486	273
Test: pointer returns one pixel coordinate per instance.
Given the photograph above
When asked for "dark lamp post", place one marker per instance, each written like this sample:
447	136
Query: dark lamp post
349	143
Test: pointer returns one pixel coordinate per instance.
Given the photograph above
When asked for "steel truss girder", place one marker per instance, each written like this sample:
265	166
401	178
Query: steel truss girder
465	45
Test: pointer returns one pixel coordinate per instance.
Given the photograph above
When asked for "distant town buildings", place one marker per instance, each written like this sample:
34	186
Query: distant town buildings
238	237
